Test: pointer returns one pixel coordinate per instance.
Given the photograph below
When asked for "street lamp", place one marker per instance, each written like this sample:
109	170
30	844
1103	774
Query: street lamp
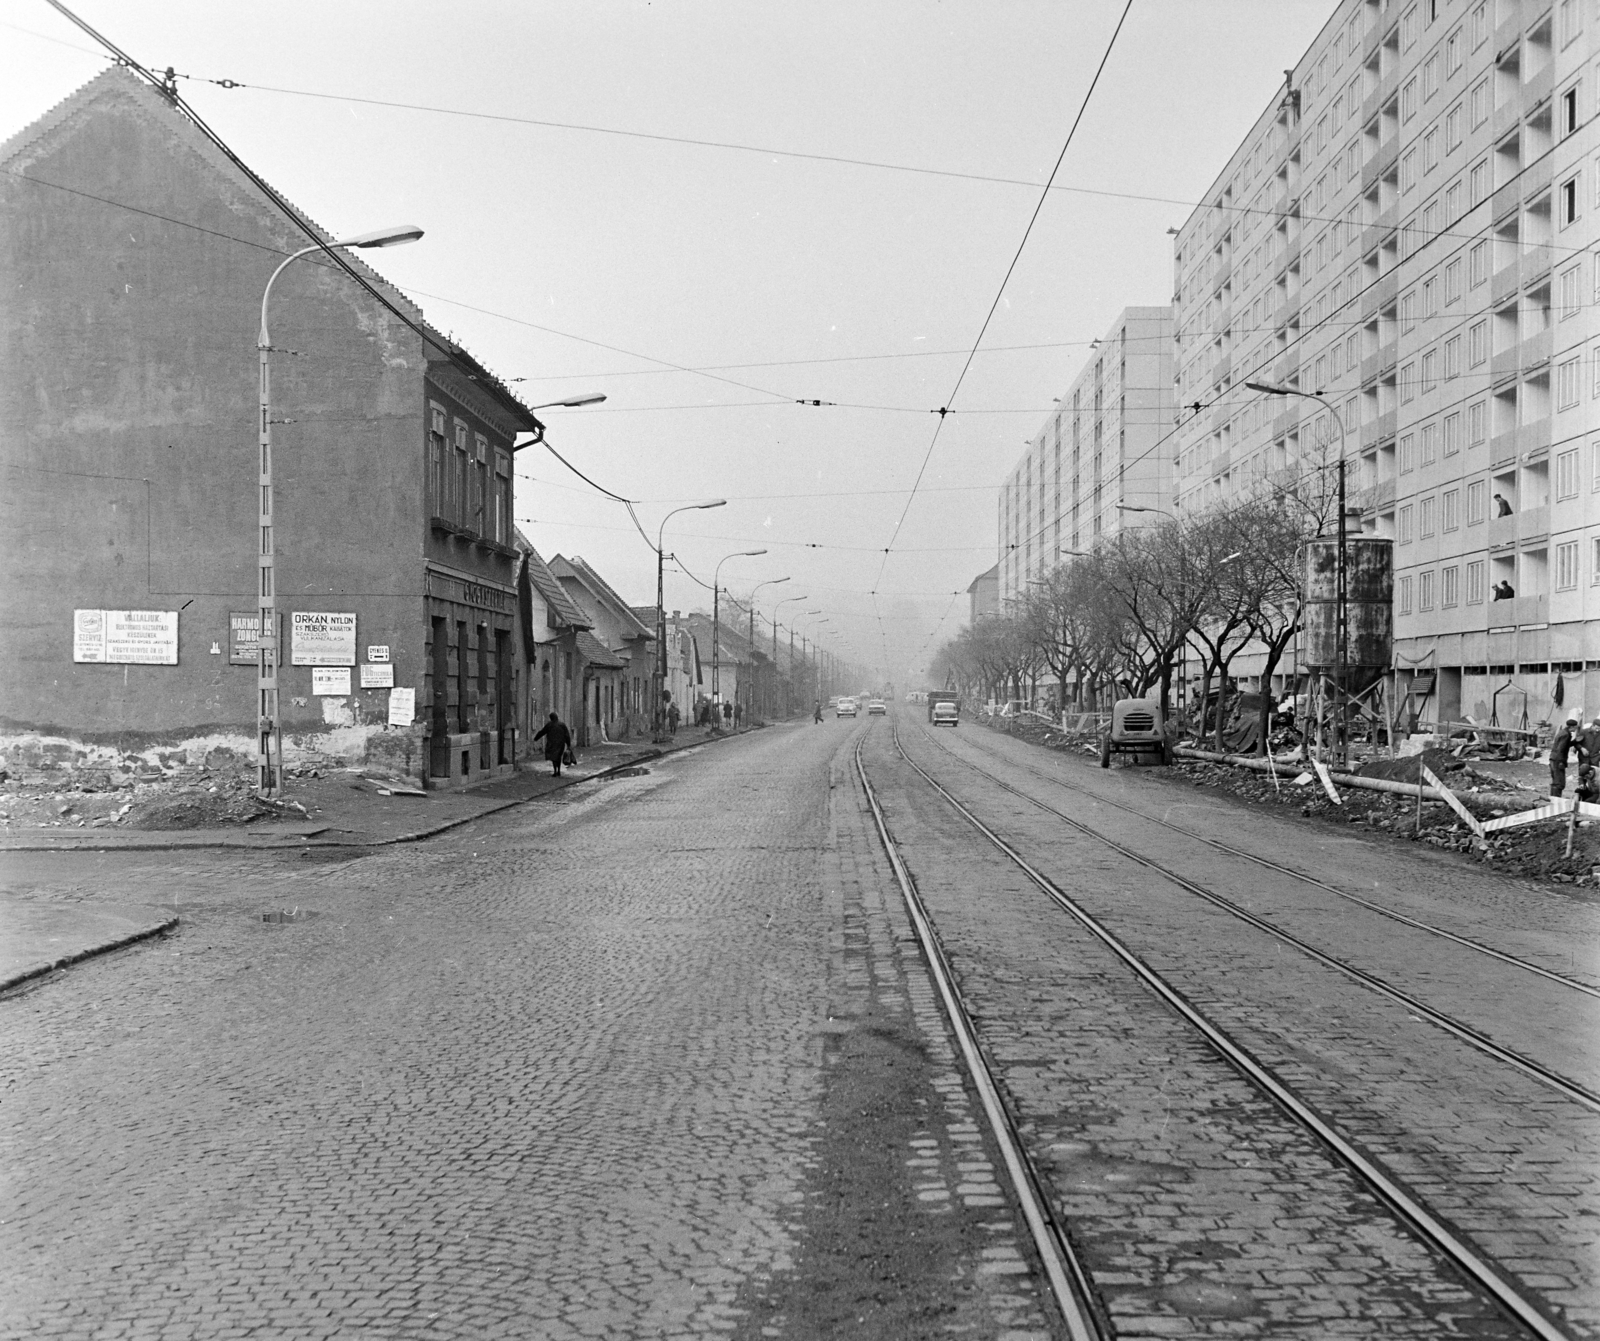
716	616
770	582
1341	593
657	724
588	398
269	732
785	601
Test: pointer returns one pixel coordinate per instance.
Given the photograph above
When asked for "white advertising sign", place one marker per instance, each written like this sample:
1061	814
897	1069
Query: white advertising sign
330	680
377	677
126	637
322	638
402	707
378	652
88	635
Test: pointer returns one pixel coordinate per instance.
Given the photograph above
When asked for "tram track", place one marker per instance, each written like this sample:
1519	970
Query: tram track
1075	1287
1279	868
1563	1085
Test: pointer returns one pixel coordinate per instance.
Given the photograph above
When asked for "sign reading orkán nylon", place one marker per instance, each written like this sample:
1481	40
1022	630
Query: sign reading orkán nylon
322	638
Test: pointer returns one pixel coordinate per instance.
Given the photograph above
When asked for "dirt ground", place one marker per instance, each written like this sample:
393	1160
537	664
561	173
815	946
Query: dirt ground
1536	851
204	799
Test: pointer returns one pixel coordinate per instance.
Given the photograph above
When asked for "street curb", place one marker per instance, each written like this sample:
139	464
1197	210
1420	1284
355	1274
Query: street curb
77	956
417	836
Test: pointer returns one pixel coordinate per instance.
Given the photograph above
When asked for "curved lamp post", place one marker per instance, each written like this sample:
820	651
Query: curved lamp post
785	601
269	731
716	615
770	582
657	718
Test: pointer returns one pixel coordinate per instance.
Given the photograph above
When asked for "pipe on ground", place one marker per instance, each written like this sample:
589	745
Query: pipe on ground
1340	779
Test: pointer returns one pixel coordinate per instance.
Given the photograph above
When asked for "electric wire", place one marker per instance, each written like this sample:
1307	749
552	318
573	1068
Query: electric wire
1000	292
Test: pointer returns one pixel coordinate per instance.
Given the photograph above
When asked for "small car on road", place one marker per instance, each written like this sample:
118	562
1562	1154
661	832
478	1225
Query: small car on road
1137	728
876	707
945	713
846	708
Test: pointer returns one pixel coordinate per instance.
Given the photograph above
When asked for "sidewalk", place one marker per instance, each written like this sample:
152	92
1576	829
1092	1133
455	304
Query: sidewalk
37	938
346	809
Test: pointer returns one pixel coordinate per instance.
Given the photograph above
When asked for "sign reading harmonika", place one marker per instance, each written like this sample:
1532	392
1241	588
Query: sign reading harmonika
377	677
322	638
244	637
126	637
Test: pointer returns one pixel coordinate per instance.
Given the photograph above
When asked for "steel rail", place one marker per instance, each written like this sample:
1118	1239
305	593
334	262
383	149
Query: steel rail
1432	1230
1312	880
1569	1089
1068	1280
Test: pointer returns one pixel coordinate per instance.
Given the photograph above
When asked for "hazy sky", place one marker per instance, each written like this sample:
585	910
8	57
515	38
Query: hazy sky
795	279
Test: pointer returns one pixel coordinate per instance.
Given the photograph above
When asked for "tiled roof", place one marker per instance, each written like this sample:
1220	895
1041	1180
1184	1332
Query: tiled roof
592	650
548	585
603	592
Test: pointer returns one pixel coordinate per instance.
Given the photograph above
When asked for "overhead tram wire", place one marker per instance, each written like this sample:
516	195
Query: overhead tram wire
1000	292
294	216
801	155
288	211
736	147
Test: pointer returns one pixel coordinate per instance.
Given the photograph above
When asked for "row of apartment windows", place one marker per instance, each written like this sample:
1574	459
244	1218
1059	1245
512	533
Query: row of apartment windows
1443	588
469	484
1444	512
1425	302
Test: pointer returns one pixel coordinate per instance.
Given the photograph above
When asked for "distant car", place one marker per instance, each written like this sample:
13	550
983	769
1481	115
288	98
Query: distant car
876	706
846	708
945	713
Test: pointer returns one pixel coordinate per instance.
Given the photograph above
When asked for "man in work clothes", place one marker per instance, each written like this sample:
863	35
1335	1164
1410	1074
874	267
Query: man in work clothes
1566	740
557	740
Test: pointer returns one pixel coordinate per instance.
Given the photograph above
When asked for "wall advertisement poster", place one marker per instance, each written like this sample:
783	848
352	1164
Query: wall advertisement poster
126	637
402	706
377	677
333	680
322	638
244	637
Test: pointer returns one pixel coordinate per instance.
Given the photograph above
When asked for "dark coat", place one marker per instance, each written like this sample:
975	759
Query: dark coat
556	739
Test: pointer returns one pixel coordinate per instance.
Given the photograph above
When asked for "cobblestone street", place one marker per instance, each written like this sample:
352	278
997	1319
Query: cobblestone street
557	1074
660	1056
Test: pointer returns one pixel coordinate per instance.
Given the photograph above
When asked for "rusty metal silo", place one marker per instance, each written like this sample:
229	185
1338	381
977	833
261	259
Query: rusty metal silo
1369	603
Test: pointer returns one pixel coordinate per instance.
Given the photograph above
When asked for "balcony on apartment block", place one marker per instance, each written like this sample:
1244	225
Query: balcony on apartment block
1506	198
1532	523
1534	351
1525	612
1507	279
1534	439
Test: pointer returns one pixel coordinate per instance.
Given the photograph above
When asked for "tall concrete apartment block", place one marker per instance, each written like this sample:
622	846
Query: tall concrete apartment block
1107	445
1410	229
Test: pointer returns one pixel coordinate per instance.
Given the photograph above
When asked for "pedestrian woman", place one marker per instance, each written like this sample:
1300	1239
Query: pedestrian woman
557	741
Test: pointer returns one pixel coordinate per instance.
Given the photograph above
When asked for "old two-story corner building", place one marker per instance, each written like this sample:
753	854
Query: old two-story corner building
133	256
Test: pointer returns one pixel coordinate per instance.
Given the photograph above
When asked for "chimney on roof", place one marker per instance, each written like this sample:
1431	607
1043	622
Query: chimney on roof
677	614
